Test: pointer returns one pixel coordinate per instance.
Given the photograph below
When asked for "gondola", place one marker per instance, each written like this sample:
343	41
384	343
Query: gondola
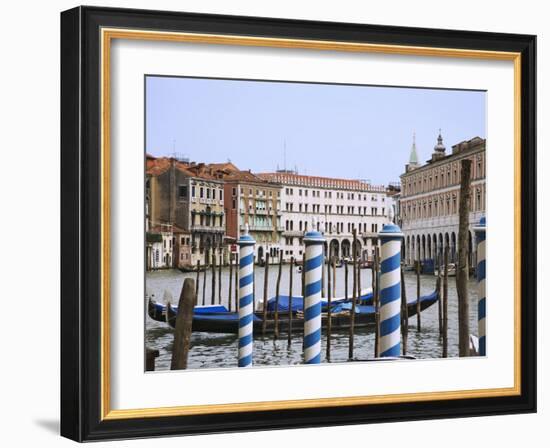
226	322
157	311
298	301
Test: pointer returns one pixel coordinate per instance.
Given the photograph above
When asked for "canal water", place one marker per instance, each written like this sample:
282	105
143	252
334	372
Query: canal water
210	350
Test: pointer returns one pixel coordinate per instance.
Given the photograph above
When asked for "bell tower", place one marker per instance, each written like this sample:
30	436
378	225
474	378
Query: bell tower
413	158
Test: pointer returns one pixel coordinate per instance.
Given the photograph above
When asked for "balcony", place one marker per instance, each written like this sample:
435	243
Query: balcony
207	229
293	233
258	228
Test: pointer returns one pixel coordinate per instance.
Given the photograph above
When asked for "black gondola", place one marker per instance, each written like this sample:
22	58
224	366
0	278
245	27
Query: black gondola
226	322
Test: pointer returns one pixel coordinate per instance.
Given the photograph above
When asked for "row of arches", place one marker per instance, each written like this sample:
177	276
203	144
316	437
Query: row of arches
343	249
431	245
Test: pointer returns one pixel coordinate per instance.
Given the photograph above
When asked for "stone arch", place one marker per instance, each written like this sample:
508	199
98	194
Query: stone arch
453	247
334	248
346	248
357	248
260	258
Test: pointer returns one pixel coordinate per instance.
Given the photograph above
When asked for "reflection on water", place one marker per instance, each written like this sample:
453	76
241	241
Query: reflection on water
209	350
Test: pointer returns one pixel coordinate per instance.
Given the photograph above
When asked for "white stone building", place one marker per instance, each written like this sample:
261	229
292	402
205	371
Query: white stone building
335	207
429	198
159	247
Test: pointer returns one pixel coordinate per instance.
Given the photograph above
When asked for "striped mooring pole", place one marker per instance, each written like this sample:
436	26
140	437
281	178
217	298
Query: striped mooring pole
480	271
312	301
246	298
390	290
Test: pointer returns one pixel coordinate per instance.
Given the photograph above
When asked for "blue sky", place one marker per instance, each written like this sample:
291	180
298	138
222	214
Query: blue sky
355	132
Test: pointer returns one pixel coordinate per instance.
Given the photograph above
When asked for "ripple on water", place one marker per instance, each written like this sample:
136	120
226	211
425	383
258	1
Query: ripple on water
220	351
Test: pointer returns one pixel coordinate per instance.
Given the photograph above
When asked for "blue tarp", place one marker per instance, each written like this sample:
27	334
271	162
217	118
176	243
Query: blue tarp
298	302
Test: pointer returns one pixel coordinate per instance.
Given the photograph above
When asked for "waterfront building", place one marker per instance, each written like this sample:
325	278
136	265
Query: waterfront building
393	192
189	196
332	206
429	199
251	200
182	248
159	247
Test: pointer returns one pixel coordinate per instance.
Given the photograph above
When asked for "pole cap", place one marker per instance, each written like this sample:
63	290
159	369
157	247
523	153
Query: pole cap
390	231
314	237
481	226
246	240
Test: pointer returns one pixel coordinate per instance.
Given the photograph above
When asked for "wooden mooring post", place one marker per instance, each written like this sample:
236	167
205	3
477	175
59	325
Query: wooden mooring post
213	265
323	277
150	356
220	278
204	282
445	301
329	310
376	301
184	322
236	282
418	307
254	283
346	275
290	269
197	282
230	290
354	297
277	292
404	312
462	271
266	283
439	300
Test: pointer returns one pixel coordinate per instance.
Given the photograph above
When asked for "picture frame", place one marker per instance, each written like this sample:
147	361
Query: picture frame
86	210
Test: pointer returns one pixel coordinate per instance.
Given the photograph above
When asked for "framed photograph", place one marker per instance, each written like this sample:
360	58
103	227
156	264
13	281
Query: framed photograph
273	223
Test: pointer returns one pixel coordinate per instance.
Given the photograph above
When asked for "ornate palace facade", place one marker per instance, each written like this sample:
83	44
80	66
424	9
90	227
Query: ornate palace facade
335	207
429	198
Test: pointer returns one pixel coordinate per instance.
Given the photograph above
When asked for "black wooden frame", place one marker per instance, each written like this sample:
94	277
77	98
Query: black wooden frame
81	213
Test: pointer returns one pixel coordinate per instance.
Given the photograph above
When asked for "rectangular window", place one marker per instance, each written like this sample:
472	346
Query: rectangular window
193	191
182	191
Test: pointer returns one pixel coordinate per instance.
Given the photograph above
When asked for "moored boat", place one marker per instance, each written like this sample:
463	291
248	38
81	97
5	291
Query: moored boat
157	311
228	322
283	301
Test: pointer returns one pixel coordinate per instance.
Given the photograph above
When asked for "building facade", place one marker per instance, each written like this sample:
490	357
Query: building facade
159	247
332	206
253	201
190	197
429	198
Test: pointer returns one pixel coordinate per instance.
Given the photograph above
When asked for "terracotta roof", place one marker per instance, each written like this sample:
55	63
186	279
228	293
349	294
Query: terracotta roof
156	167
319	181
159	165
176	229
226	166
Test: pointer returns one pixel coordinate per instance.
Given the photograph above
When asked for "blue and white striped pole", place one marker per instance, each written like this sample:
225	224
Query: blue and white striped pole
390	290
312	301
481	304
246	298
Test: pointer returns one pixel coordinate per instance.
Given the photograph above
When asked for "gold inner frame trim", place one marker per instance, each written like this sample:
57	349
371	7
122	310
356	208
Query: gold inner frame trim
107	35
